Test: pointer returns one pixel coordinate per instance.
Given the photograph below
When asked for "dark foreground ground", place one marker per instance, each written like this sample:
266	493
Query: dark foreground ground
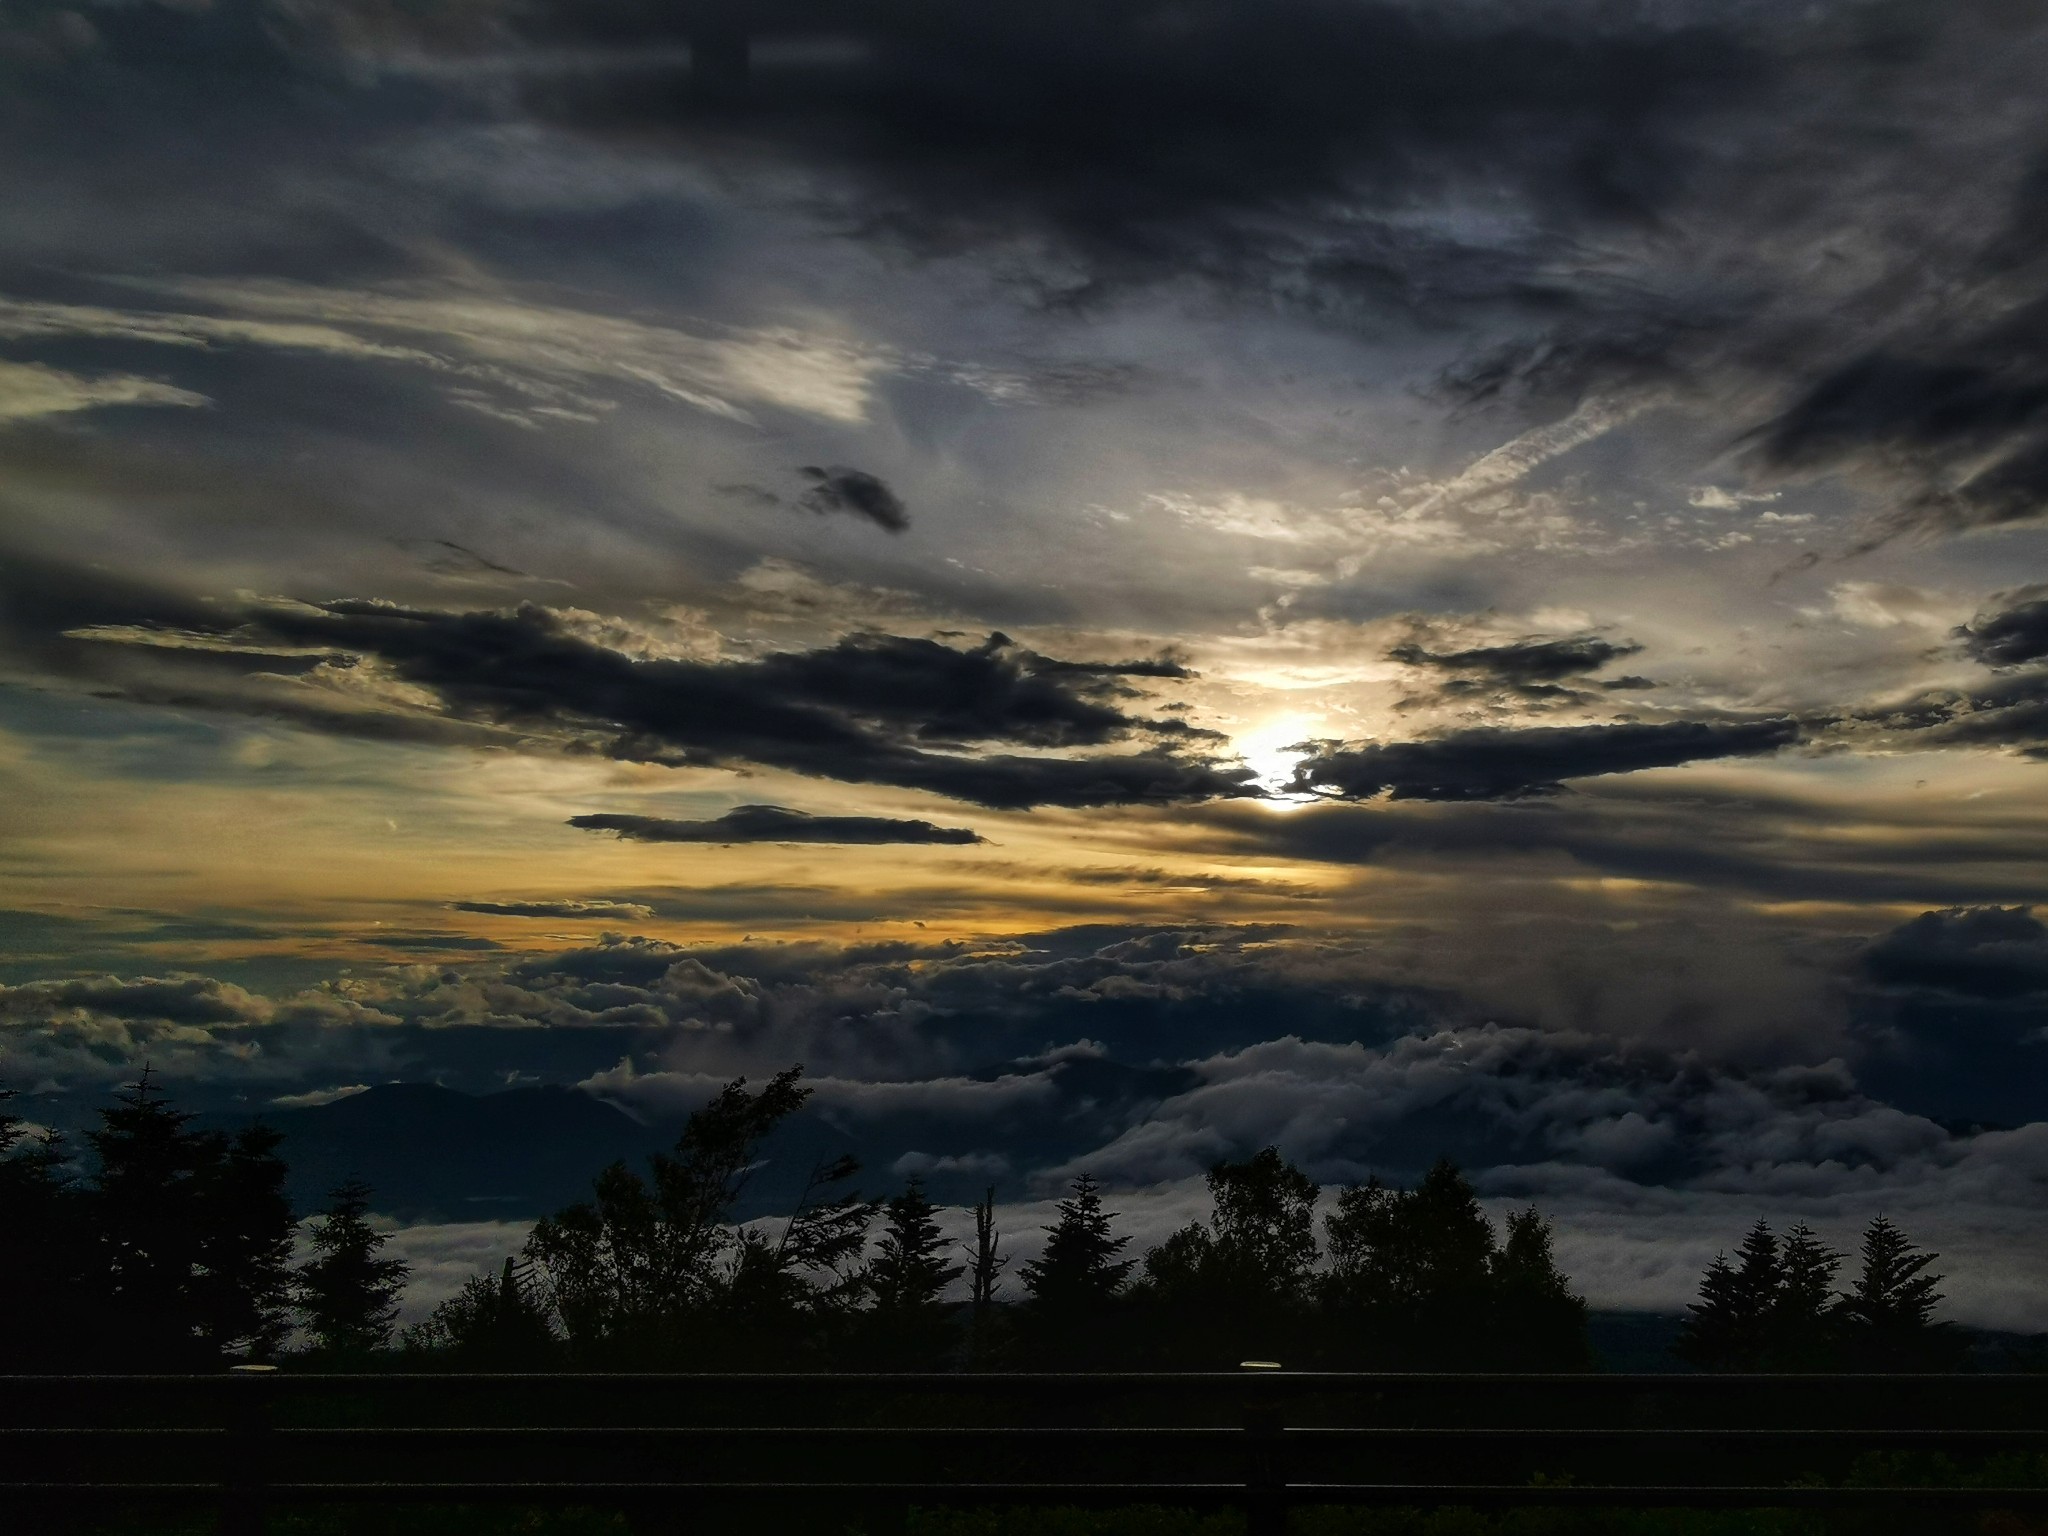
1142	1520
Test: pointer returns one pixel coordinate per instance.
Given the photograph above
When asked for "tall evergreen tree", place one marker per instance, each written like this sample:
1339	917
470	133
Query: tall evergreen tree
246	1227
145	1214
1803	1321
1074	1283
907	1279
1888	1321
1081	1267
1730	1327
48	1293
347	1291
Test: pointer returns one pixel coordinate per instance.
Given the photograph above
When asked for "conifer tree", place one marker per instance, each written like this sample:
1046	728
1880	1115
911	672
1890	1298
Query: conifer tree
1730	1327
1072	1288
246	1227
495	1322
1803	1320
1081	1268
347	1291
145	1217
47	1292
907	1279
1888	1319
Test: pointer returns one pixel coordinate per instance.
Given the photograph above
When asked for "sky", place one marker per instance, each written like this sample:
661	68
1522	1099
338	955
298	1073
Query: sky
1123	581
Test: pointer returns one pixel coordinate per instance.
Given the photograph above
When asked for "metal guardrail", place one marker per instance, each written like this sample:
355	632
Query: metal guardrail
1263	1440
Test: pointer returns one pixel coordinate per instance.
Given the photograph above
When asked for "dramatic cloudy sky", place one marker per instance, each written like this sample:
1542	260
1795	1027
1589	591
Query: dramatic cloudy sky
1123	580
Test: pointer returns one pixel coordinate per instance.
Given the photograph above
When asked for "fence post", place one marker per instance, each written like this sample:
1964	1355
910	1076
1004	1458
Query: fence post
246	1477
1265	1482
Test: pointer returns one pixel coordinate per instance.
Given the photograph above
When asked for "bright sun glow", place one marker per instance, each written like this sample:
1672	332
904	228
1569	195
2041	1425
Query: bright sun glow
1270	749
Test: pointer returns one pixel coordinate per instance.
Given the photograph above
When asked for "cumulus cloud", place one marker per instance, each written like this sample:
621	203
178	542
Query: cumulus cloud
1971	952
774	824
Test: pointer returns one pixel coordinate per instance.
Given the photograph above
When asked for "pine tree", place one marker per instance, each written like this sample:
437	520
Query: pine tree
1080	1269
146	1222
908	1327
347	1291
246	1228
1730	1327
1887	1317
48	1298
1802	1324
909	1271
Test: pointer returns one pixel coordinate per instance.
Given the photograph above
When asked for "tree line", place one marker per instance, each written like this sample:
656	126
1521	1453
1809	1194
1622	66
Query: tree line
172	1247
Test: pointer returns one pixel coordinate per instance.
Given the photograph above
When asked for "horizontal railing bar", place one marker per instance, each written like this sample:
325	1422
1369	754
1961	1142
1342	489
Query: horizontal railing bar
1394	1494
1536	1434
967	1381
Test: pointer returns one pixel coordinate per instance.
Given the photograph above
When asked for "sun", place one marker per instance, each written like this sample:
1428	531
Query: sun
1272	748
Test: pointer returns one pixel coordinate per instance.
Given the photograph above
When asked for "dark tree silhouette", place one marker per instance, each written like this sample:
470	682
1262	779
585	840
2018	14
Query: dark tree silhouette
1804	1324
1237	1286
494	1323
1074	1284
984	1278
48	1294
1416	1281
1730	1327
145	1218
1887	1316
1537	1322
246	1226
347	1291
641	1265
907	1279
794	1295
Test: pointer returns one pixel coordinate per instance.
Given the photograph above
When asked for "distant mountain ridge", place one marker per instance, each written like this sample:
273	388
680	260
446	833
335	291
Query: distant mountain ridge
435	1154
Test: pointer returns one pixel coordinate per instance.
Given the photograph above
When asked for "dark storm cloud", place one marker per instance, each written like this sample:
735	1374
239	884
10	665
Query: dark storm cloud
1533	669
1504	764
878	709
856	493
628	911
2013	635
1230	139
1991	953
1761	846
1966	431
775	824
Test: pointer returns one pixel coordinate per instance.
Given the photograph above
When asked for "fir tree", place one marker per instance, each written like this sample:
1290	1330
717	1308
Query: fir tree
48	1298
1729	1328
145	1216
906	1279
1081	1268
1803	1320
1887	1317
244	1284
347	1291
